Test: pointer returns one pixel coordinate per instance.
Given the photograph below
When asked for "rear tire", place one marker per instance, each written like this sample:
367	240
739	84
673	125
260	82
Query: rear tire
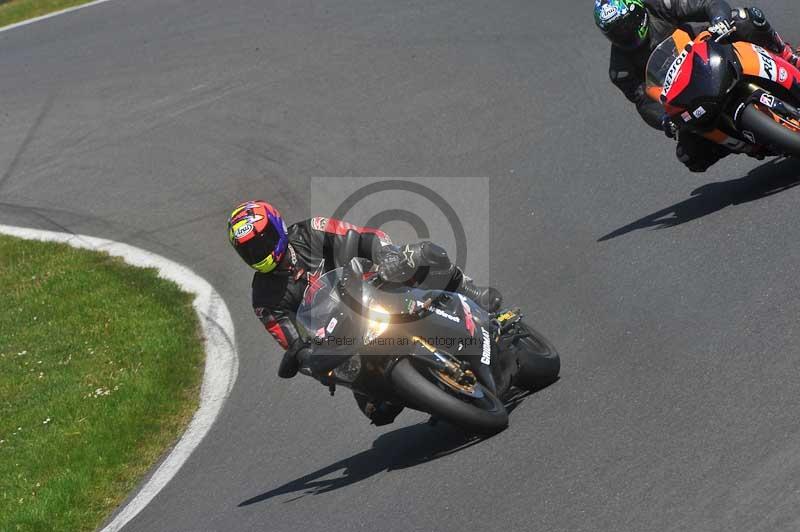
540	362
421	394
769	132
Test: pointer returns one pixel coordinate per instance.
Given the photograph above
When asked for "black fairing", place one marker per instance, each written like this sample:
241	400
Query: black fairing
710	84
445	333
331	351
435	327
449	324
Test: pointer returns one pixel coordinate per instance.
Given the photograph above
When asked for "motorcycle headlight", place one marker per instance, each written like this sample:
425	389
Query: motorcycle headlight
377	323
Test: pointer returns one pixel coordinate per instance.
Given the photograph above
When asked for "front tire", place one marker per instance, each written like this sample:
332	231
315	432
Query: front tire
540	362
486	417
780	133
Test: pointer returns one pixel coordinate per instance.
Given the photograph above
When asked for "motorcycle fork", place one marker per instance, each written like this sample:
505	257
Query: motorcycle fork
727	124
506	322
454	372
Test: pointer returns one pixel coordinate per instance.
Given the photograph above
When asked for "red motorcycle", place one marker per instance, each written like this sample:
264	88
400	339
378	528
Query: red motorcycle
737	94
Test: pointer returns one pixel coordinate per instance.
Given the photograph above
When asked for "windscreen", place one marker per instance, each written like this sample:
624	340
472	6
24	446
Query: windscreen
339	294
661	60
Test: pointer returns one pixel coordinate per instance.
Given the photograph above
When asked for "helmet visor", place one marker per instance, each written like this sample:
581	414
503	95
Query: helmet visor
629	31
266	265
259	251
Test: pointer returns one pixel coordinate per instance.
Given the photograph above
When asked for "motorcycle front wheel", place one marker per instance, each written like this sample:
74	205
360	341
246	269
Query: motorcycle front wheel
782	133
540	363
481	413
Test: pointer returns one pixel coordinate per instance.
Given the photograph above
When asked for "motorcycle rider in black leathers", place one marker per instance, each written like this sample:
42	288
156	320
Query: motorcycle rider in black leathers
287	259
637	27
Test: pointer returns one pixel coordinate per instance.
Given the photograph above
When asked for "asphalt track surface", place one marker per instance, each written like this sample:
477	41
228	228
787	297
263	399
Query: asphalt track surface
672	297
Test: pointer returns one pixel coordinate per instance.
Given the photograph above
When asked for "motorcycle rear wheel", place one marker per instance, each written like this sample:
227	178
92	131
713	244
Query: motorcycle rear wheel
486	416
769	128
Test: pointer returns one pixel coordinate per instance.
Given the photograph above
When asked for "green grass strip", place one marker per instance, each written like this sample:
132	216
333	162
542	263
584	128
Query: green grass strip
19	10
100	368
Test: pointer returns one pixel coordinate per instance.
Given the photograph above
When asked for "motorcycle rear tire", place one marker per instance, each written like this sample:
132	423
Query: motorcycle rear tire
769	132
421	394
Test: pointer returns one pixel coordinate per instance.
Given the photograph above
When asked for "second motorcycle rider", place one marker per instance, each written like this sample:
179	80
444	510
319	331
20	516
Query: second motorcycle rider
636	27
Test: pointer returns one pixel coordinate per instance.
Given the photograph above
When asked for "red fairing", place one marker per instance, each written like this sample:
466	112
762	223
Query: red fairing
684	76
701	49
788	75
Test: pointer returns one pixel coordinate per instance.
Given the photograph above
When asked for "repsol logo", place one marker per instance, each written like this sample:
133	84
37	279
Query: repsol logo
486	356
672	73
770	69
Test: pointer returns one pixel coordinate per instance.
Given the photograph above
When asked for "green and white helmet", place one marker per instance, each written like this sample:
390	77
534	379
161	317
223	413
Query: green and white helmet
624	22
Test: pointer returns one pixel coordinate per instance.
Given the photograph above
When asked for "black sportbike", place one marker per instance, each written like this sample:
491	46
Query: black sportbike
433	351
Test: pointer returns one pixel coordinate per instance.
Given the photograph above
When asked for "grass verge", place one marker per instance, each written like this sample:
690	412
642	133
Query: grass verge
100	368
19	10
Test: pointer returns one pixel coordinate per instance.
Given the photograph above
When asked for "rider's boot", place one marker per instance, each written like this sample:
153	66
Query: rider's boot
289	365
488	298
292	359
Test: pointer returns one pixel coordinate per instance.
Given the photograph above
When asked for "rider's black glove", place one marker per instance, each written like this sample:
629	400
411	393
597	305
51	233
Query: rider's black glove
669	126
398	265
721	28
